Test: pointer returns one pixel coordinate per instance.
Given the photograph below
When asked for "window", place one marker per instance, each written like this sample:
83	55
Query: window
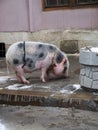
2	50
87	2
60	4
56	3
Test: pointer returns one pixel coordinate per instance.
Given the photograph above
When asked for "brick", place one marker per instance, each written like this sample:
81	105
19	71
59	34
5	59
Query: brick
83	71
95	75
91	75
94	69
88	69
95	85
81	80
87	82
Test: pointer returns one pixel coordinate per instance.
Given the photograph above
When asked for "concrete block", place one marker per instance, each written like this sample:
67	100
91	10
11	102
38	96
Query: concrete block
95	75
88	57
95	69
87	82
95	85
91	75
83	71
87	71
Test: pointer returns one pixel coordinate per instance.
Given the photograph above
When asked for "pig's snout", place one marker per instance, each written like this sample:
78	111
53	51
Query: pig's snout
58	69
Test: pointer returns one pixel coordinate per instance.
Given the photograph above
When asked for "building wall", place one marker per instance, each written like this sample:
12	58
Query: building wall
65	39
24	20
14	15
27	16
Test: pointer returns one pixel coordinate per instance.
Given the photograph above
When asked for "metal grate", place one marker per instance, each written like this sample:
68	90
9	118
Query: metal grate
2	50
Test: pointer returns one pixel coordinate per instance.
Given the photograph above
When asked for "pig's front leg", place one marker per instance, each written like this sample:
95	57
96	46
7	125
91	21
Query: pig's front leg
20	74
49	71
43	73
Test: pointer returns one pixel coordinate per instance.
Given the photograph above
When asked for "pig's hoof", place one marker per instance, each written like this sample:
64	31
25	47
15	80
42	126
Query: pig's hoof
43	80
26	82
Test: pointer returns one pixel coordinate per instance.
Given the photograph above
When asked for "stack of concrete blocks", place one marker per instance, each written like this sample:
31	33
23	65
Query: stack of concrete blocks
89	67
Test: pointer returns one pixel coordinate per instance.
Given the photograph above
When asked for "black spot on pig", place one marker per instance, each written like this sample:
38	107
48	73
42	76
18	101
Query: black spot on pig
28	60
40	46
20	45
51	47
41	55
30	63
15	61
59	57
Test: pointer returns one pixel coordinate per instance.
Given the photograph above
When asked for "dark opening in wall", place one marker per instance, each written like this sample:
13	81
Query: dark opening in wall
2	49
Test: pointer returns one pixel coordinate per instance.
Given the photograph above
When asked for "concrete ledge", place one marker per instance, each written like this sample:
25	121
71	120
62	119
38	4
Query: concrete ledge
79	100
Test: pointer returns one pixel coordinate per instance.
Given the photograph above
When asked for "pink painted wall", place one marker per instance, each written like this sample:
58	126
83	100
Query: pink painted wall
14	15
27	15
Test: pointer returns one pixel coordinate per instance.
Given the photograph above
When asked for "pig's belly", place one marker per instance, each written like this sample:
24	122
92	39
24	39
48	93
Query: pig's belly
39	65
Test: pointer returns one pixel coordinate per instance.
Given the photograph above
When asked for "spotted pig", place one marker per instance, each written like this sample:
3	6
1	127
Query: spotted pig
27	56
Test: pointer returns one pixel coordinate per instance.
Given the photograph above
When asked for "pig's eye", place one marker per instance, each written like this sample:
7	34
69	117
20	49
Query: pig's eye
54	65
65	62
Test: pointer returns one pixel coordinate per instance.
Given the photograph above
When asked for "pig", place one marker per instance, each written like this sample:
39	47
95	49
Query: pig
28	56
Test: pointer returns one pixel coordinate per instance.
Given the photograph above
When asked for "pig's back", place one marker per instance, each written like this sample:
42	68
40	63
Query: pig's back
17	50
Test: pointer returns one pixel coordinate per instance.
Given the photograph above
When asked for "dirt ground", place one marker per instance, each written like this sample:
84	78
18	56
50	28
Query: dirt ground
46	118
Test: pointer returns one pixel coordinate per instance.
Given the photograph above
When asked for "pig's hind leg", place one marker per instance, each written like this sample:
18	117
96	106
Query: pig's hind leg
20	74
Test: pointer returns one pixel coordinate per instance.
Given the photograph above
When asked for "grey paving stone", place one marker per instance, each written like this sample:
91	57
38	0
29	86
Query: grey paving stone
95	75
95	84
87	71
88	82
81	78
83	71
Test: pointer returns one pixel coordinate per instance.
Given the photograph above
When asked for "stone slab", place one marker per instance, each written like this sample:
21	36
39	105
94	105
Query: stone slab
88	82
95	84
88	57
81	80
82	71
95	76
